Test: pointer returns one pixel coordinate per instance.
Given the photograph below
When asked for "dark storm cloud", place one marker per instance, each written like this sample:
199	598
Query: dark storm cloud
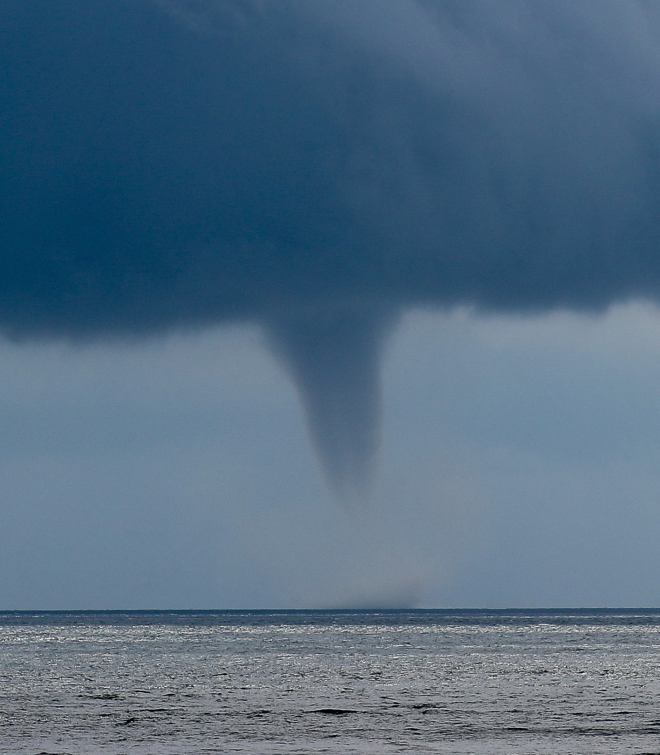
310	164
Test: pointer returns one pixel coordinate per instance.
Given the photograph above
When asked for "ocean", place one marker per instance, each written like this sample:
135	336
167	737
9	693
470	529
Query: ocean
184	682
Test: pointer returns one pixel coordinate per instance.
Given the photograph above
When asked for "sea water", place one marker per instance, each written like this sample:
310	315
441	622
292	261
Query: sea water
330	682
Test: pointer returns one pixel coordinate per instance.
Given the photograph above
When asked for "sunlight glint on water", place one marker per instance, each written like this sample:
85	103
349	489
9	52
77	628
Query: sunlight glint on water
445	682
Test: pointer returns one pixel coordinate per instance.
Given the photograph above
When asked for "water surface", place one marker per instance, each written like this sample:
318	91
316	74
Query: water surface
165	683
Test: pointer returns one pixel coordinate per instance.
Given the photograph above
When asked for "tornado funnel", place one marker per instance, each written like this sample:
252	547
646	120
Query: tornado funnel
334	360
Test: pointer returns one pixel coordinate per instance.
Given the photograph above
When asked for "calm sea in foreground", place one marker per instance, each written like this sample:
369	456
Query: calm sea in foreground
330	682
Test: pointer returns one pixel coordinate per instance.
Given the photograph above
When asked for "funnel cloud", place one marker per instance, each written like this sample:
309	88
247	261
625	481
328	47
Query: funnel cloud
170	164
333	357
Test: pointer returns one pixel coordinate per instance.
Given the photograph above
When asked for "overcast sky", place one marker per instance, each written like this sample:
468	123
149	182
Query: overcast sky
331	304
519	468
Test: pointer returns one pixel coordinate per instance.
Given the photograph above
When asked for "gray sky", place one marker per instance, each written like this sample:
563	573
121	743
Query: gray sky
258	258
519	467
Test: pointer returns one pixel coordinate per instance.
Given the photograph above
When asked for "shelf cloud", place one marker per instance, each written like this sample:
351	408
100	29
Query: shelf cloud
318	168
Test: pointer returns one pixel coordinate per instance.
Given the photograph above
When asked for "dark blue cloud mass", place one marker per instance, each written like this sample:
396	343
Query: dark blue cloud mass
318	166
